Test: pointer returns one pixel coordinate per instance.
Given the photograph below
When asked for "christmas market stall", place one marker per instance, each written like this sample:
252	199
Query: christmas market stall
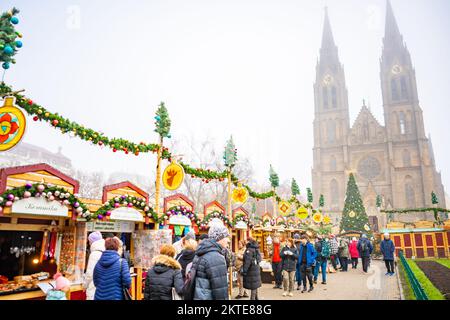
241	227
40	231
213	206
125	210
179	216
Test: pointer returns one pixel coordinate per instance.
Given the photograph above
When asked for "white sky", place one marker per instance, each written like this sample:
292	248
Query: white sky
237	67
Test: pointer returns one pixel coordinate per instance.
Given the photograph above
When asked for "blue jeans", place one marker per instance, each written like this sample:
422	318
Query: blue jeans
323	266
298	275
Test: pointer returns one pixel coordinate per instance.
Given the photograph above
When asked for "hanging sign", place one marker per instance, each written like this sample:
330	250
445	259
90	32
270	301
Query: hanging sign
239	195
173	176
180	220
126	214
302	213
284	207
40	206
241	225
111	226
216	221
12	124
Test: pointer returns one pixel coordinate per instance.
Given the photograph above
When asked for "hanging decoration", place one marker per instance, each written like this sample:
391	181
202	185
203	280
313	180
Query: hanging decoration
173	176
317	217
8	38
180	210
284	207
239	195
218	215
352	214
12	124
104	212
326	220
50	192
302	213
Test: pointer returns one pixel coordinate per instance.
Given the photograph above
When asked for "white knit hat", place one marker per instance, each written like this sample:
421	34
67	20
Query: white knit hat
218	232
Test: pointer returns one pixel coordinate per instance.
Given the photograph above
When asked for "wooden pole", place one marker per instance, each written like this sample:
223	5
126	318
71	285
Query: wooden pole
158	176
230	287
274	204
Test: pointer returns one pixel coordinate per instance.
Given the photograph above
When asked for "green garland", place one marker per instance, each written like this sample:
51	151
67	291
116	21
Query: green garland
403	211
216	214
242	217
125	201
45	190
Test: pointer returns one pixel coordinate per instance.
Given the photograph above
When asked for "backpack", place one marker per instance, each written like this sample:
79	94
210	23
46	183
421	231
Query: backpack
364	247
325	249
189	283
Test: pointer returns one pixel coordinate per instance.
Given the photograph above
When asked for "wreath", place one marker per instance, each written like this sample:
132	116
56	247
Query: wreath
215	214
51	192
125	201
180	210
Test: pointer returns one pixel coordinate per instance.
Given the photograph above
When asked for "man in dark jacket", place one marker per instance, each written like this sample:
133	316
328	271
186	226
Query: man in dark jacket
306	260
211	281
163	276
298	273
387	248
365	249
322	248
251	270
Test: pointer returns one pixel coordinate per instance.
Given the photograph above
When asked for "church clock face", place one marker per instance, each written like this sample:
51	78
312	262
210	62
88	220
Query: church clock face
396	69
369	168
327	79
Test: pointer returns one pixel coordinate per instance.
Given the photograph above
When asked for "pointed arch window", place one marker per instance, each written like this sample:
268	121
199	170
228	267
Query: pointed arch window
325	97
394	90
410	197
404	88
402	123
406	158
334	192
334	97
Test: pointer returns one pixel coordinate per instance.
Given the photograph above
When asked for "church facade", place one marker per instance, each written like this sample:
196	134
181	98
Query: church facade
394	160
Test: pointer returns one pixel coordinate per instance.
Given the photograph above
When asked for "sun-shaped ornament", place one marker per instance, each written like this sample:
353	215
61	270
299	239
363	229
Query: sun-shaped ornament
317	217
12	124
239	195
326	220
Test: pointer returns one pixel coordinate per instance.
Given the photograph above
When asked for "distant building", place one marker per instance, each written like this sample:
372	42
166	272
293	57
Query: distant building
395	161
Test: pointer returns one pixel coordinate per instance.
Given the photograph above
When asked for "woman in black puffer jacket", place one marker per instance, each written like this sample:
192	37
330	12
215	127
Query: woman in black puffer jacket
163	276
251	271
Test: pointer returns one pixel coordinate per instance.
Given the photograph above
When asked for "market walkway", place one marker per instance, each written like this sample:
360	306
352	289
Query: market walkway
351	285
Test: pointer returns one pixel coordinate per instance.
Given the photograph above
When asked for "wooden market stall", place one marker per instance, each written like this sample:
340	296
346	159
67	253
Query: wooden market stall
421	239
179	215
241	228
39	231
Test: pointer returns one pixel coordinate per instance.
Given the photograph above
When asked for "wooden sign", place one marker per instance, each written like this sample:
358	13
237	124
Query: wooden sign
40	206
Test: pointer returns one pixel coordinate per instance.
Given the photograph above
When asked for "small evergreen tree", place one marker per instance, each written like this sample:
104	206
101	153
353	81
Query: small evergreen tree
295	190
273	178
162	121
354	215
309	195
434	198
230	154
321	201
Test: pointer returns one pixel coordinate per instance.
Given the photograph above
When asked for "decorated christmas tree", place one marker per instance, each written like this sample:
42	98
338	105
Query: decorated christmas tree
162	121
8	37
295	190
230	154
354	216
273	178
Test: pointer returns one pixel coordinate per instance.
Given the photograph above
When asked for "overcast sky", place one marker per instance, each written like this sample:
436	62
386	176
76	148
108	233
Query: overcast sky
236	67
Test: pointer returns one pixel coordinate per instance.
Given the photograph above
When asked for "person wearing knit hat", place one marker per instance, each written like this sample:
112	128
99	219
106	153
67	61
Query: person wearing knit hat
211	282
62	286
97	246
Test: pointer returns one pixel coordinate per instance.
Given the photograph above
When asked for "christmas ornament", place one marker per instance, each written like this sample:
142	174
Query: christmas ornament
317	217
366	227
12	124
326	220
352	214
173	176
239	195
302	213
284	207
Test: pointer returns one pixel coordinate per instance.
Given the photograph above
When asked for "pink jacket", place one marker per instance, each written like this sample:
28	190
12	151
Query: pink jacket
353	249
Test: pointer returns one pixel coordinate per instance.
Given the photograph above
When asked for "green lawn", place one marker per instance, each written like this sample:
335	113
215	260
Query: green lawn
431	291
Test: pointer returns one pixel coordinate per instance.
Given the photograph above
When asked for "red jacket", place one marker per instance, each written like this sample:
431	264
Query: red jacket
276	253
353	249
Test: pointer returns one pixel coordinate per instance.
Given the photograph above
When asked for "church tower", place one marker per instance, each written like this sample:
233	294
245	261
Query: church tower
412	170
331	125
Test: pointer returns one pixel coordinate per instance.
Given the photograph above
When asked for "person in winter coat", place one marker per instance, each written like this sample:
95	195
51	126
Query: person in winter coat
211	281
298	273
354	254
97	246
387	248
322	248
334	249
251	270
343	254
306	261
62	286
289	256
111	273
163	276
187	255
365	249
179	245
276	264
239	265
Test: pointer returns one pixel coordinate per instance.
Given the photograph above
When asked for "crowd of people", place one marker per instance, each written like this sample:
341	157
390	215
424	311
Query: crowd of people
197	269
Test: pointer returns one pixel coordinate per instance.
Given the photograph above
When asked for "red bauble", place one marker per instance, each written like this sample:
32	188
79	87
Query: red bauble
30	102
55	122
35	118
136	153
100	143
114	150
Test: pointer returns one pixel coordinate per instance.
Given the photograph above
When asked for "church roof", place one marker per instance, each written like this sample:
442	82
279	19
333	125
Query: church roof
362	114
392	34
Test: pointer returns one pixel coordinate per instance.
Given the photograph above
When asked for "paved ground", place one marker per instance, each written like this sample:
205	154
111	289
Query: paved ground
351	285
